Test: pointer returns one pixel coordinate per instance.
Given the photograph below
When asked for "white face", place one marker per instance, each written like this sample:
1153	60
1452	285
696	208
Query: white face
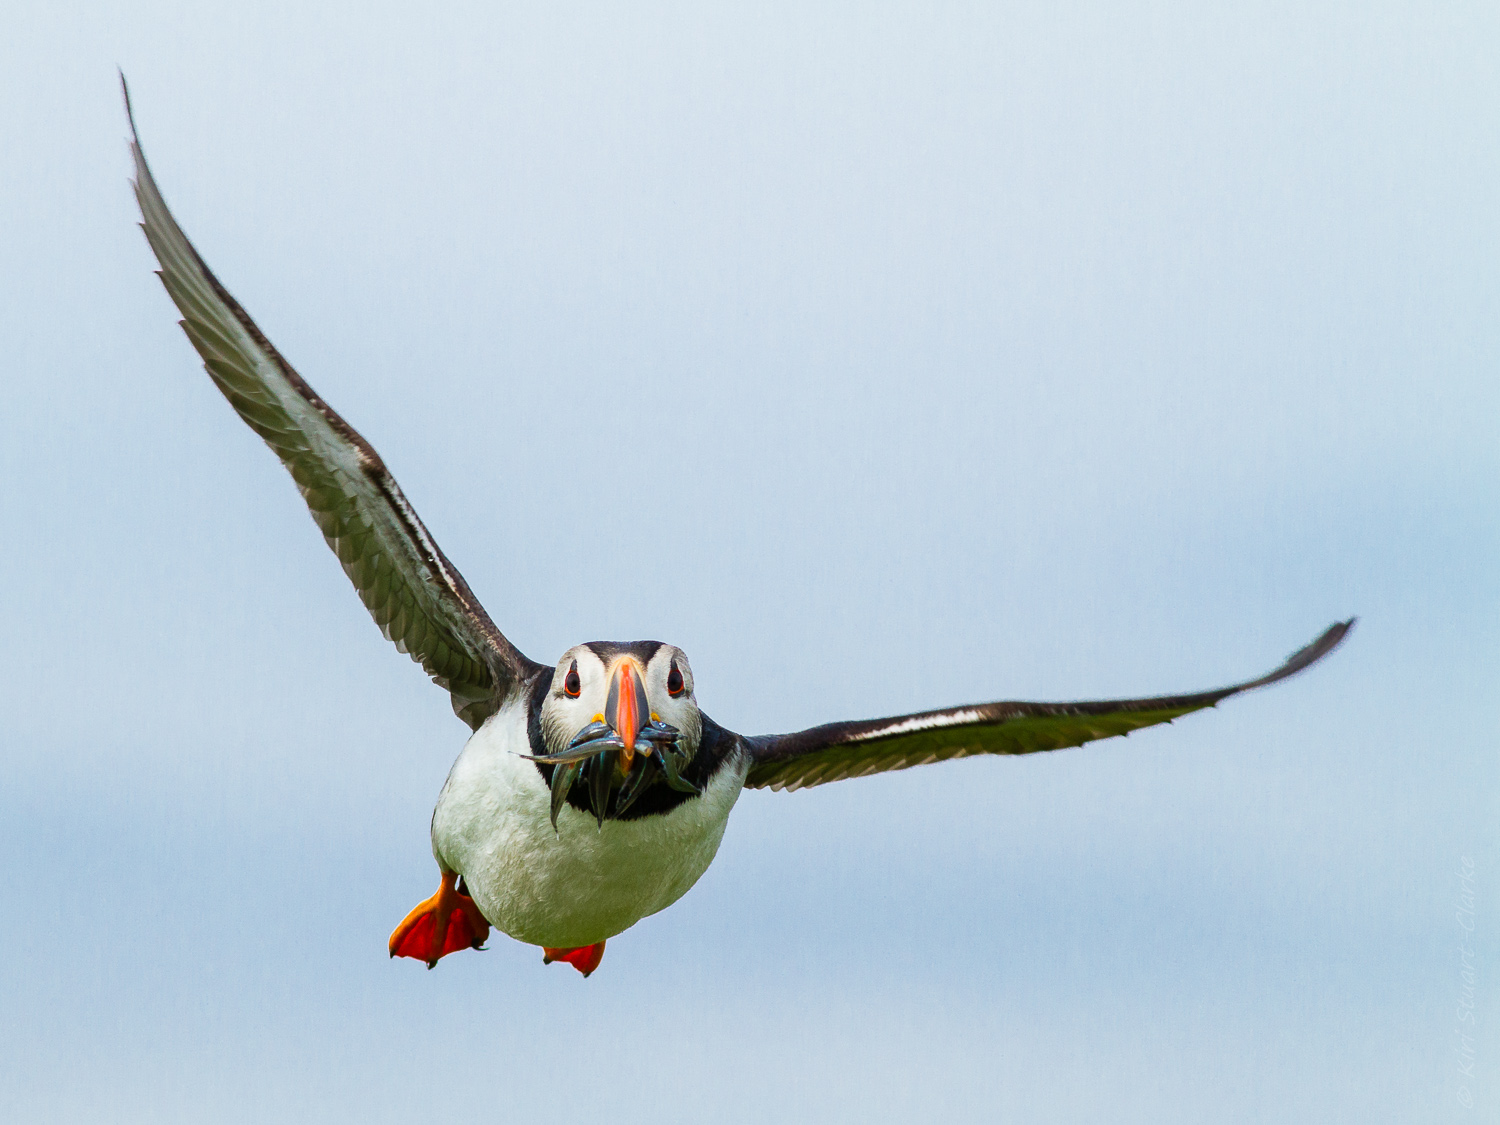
580	689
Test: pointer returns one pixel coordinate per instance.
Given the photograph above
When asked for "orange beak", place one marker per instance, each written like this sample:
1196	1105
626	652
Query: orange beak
625	709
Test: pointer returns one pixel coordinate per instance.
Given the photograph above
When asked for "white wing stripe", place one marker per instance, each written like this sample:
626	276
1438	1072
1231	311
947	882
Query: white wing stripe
921	722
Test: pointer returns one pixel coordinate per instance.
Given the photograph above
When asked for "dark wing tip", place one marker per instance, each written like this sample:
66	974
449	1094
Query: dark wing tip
1307	656
143	177
129	110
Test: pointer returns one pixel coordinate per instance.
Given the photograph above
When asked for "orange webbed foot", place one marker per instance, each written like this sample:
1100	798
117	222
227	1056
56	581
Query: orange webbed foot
443	924
584	958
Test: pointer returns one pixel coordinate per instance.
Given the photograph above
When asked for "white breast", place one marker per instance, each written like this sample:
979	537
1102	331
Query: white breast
582	883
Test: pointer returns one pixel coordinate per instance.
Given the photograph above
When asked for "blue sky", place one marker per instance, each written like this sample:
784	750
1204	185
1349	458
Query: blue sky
1061	352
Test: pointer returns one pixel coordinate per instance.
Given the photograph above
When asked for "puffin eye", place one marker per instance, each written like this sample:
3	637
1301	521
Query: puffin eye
571	683
674	681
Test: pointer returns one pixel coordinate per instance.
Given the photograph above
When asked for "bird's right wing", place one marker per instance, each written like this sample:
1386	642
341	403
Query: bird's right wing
415	594
855	749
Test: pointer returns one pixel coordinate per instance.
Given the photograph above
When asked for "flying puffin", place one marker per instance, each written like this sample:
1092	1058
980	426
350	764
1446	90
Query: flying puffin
594	791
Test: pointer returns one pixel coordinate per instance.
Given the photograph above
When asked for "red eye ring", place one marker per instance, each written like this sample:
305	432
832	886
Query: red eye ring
571	683
675	685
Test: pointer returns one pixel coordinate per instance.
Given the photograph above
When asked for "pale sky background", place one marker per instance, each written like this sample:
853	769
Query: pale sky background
883	357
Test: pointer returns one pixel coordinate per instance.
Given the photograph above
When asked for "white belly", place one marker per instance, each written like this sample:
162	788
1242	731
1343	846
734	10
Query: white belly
582	883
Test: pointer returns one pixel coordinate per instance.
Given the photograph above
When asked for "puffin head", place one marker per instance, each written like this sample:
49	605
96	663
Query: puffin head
618	719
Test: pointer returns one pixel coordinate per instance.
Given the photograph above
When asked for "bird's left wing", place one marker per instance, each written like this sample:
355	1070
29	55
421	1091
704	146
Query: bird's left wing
853	749
417	597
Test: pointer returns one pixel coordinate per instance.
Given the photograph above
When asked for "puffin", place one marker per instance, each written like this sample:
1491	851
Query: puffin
594	791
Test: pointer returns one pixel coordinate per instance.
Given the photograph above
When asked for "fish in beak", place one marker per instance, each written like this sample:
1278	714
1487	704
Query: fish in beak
604	753
626	709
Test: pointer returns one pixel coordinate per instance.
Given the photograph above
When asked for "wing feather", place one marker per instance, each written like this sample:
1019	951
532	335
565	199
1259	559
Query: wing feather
416	596
857	749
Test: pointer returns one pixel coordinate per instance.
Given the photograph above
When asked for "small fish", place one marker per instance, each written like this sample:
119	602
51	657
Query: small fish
673	761
640	779
578	752
601	773
562	782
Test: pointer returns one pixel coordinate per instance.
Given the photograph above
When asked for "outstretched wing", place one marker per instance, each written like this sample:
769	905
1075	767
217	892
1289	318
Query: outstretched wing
415	594
839	750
